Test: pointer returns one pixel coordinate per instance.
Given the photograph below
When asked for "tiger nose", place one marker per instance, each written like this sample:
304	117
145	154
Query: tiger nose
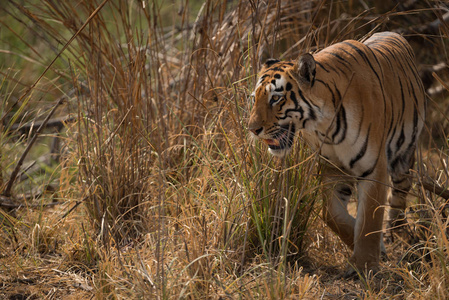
256	131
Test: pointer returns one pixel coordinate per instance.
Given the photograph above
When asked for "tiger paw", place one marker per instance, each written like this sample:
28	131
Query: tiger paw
359	273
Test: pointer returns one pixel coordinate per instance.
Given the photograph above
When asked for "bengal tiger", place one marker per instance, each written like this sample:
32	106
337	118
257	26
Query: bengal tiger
362	106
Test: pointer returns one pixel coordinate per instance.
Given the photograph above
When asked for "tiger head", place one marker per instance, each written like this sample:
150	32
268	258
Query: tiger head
280	102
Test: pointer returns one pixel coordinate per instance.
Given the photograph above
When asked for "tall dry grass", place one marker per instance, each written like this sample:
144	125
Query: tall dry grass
169	197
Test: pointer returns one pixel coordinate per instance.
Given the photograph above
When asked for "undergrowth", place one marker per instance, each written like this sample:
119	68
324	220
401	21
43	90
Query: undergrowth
156	189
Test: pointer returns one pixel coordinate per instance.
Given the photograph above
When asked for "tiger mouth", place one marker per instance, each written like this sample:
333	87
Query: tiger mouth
283	139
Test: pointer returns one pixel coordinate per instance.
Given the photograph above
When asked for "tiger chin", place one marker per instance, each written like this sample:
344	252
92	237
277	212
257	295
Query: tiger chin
280	144
362	105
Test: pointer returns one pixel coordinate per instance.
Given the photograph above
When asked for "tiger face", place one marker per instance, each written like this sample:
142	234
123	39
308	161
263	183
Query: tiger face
280	106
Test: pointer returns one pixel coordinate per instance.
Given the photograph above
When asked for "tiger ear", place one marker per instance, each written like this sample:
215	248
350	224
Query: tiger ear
269	62
307	68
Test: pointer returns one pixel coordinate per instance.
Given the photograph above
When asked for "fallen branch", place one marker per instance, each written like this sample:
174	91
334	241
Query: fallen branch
435	188
12	179
431	28
11	203
28	128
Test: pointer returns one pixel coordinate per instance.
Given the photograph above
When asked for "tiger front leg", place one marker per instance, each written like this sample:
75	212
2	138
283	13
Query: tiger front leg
368	228
337	193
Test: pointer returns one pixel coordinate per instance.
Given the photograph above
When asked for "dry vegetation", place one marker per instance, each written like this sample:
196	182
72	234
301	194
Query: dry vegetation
143	182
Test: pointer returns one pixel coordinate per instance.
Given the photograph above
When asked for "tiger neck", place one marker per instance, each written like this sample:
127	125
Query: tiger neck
331	126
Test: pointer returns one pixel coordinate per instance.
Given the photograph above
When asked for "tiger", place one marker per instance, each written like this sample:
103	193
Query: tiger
361	106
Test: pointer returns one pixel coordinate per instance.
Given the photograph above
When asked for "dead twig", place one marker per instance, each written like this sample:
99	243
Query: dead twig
73	207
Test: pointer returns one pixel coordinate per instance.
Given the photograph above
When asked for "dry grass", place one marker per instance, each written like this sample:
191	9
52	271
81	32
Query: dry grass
161	192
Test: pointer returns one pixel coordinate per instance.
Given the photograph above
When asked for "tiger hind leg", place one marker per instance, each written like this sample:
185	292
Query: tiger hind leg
402	183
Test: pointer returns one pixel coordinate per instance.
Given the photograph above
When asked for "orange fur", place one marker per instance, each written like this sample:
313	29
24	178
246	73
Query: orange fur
363	106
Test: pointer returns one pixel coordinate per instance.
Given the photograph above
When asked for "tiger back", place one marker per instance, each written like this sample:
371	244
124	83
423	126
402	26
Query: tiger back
362	106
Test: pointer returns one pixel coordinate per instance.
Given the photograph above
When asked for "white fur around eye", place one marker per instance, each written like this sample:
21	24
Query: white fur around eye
275	99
